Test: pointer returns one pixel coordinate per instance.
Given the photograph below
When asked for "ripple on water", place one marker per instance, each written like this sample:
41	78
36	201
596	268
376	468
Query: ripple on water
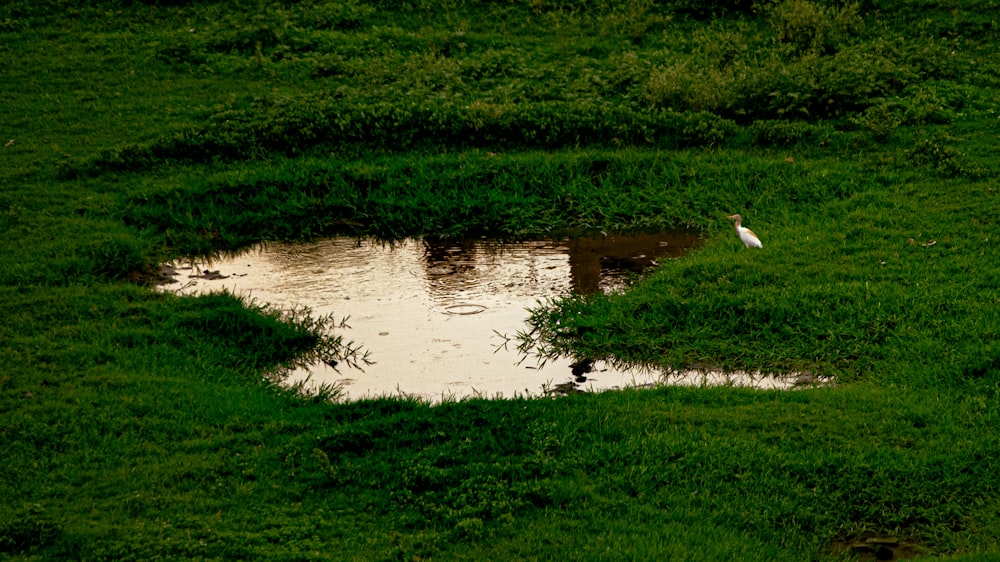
464	308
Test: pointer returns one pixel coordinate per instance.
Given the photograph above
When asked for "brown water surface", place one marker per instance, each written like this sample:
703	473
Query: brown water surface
438	318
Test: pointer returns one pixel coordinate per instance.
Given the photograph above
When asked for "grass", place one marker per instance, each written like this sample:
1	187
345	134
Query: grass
857	141
880	312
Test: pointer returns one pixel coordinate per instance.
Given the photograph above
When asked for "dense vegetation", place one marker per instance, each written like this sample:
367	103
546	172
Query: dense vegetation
858	139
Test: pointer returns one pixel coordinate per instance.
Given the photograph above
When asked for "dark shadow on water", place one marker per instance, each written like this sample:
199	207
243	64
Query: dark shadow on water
596	264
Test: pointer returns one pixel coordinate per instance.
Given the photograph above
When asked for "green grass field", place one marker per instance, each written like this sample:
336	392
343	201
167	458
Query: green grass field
859	140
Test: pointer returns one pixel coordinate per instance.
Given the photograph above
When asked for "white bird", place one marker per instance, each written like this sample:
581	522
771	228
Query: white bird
749	239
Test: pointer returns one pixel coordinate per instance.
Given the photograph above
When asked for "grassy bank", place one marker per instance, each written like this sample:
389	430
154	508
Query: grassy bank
858	140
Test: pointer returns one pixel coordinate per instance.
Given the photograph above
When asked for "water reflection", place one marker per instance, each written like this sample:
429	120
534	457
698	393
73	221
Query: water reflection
433	315
602	263
594	264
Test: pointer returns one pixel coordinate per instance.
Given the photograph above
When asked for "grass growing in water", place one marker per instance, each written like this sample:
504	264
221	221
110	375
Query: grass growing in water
137	424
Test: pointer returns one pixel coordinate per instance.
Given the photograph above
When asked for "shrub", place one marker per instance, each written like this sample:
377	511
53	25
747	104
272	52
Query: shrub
690	86
784	133
807	26
711	8
344	15
946	160
28	529
881	119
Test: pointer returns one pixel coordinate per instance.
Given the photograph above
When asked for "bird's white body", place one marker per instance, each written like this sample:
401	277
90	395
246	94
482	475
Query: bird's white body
748	237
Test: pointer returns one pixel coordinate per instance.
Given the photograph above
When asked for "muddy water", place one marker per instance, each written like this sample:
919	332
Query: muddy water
439	319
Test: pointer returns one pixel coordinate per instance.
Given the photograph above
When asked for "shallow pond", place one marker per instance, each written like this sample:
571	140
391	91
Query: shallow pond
439	319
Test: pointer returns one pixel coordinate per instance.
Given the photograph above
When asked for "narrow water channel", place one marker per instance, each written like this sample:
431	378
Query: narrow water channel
439	319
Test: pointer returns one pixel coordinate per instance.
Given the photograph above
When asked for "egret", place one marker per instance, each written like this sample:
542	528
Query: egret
749	239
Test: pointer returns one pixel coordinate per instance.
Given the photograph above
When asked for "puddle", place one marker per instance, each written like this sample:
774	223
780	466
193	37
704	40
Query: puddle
439	319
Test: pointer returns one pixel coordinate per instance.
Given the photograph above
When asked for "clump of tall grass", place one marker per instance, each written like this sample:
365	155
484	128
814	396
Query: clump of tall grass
253	337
